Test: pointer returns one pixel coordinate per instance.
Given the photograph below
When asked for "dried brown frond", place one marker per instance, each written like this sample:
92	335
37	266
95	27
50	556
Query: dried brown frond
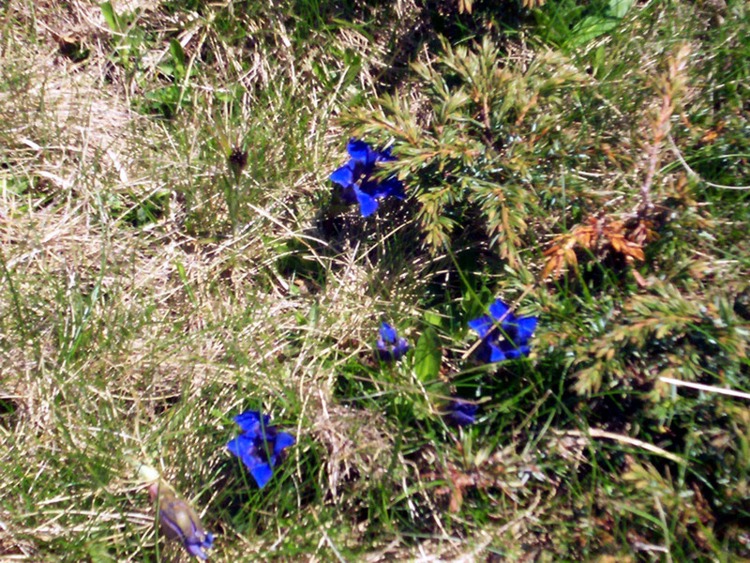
600	237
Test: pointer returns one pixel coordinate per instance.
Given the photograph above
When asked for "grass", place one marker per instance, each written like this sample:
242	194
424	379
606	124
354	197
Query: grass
172	254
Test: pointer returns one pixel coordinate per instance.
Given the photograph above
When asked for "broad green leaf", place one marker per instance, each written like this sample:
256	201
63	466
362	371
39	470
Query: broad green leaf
618	8
433	318
590	28
427	356
178	56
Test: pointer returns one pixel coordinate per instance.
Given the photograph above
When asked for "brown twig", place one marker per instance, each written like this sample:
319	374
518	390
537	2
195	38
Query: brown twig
662	124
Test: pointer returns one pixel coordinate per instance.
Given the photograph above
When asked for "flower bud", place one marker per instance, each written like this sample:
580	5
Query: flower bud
177	518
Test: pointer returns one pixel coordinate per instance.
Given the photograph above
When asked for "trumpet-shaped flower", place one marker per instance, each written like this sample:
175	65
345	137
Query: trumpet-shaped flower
390	346
259	446
356	181
462	413
177	519
504	336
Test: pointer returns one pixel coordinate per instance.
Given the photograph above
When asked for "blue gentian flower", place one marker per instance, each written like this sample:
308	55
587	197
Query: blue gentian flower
356	181
259	446
390	346
507	340
462	413
177	519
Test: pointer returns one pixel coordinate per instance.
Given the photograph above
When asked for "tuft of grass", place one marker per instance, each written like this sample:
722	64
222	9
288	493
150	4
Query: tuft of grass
173	254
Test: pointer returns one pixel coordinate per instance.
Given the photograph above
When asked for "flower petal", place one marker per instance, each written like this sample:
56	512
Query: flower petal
343	176
248	421
392	187
262	474
526	328
385	156
384	352
347	195
367	204
513	351
482	325
283	441
461	419
196	550
498	309
462	413
243	446
496	353
361	153
386	188
387	333
401	348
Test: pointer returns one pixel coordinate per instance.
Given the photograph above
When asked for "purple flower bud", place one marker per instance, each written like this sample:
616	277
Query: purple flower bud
179	521
390	347
462	413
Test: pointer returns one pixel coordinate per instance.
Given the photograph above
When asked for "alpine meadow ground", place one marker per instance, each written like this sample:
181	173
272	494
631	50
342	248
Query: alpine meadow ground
359	280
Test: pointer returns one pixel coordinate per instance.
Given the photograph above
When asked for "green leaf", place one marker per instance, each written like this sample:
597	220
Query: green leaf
110	16
590	28
427	356
433	318
618	8
178	56
185	282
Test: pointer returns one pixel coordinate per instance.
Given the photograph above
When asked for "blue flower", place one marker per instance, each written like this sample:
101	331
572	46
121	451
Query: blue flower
355	178
179	521
259	446
390	347
462	413
504	341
